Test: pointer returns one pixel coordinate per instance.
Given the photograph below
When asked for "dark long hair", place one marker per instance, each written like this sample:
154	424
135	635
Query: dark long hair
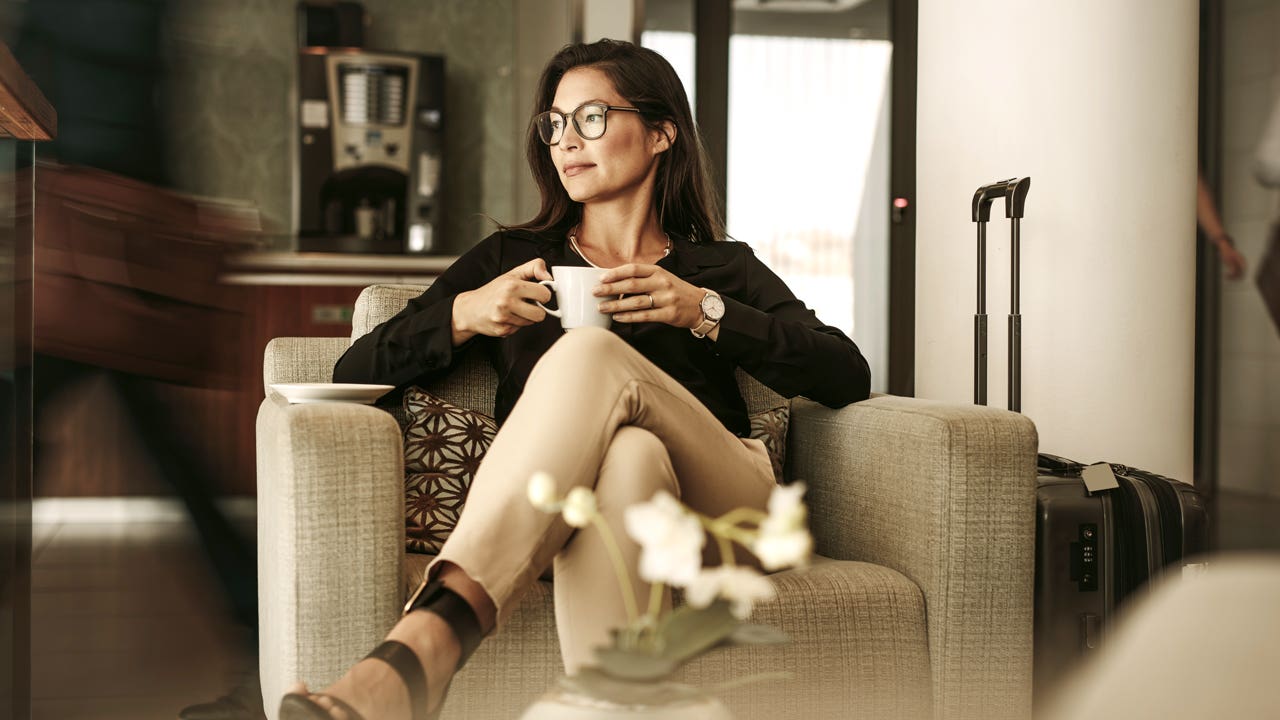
686	200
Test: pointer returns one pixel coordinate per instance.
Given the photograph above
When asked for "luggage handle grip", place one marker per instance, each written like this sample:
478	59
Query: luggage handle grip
1014	190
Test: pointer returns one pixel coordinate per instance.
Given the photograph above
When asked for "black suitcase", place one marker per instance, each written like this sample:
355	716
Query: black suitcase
1093	549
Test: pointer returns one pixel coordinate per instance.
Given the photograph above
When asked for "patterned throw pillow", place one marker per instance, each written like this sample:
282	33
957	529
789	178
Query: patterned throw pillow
443	446
770	426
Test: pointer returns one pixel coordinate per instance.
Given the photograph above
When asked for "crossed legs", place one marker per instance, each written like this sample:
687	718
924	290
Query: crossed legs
594	413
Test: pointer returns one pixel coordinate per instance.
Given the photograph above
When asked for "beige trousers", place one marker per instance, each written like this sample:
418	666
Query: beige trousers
596	413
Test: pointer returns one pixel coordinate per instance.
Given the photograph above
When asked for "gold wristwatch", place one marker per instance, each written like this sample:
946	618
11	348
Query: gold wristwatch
712	311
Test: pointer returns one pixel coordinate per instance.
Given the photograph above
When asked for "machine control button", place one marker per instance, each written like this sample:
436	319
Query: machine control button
392	149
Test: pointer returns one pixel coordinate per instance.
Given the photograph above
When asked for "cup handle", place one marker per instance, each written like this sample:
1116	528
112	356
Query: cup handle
551	284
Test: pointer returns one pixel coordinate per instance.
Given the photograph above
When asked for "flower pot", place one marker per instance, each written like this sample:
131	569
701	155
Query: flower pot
572	699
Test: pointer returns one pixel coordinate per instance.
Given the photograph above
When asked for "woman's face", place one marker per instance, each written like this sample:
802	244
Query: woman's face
619	162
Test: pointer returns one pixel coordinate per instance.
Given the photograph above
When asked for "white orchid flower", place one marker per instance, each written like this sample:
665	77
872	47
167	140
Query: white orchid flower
579	507
670	537
784	549
542	492
783	539
741	586
786	506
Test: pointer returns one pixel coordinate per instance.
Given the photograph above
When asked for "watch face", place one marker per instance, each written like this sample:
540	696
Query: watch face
713	307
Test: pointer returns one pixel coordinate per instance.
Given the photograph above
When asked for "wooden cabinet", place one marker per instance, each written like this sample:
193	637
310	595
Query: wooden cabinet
302	295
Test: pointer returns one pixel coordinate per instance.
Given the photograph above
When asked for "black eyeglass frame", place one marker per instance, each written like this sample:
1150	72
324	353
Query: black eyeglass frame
573	116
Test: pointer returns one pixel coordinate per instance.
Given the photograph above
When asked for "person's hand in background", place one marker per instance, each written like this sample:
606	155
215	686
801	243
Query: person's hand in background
1232	261
1211	223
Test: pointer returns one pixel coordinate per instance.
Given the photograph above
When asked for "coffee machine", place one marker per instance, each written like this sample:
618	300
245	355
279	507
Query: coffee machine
370	143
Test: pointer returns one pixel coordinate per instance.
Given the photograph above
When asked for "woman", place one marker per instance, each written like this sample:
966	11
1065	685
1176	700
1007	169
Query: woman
651	404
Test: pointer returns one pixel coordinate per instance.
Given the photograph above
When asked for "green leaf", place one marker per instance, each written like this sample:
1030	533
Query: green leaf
758	635
633	664
688	631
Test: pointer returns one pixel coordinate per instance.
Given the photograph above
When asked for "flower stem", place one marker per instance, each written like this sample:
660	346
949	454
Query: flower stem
655	602
624	578
723	531
726	551
733	517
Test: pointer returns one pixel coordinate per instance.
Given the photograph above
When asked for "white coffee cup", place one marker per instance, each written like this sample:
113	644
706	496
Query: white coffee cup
577	306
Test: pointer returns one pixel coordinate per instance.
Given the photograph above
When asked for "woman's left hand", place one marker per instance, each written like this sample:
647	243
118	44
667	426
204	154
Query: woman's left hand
655	295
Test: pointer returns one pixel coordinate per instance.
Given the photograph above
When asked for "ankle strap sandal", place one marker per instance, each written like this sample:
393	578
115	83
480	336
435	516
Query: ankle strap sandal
433	597
437	598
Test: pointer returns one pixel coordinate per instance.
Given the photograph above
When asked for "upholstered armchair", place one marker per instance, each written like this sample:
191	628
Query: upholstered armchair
918	606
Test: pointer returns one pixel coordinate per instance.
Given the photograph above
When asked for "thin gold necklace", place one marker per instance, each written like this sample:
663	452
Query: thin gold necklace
573	242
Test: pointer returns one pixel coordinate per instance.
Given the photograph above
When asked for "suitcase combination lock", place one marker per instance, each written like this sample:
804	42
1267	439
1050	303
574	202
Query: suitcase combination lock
1084	559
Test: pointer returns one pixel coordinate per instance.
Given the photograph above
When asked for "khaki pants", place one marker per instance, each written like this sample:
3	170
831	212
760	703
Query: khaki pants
596	413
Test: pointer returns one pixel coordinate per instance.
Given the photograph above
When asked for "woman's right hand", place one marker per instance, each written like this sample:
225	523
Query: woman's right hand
502	306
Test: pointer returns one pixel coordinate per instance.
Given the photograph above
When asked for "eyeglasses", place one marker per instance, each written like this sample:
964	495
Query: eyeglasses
589	119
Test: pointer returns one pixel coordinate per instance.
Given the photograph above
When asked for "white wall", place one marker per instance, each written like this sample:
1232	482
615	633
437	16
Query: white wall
613	19
1096	101
1249	420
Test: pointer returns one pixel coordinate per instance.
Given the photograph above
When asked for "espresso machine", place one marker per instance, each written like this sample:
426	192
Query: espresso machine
370	142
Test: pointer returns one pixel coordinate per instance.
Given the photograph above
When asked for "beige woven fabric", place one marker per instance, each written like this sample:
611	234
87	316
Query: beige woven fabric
330	537
300	360
756	395
377	303
858	650
944	494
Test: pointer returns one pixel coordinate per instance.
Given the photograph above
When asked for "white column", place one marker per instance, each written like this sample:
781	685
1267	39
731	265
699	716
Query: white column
1096	101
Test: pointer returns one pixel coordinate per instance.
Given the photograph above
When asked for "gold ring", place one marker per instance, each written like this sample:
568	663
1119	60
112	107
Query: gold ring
650	301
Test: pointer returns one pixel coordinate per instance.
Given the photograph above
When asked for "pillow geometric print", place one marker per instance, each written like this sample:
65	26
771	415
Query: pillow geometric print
770	426
443	447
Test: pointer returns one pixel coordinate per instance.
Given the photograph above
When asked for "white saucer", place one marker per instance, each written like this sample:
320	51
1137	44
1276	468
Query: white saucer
331	392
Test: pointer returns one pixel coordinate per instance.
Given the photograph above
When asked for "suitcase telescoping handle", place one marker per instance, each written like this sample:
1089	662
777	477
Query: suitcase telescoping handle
1014	191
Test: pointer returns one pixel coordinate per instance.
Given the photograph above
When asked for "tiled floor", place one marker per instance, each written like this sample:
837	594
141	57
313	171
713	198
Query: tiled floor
127	623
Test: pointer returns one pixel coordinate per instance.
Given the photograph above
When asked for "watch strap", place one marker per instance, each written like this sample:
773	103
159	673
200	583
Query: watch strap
705	327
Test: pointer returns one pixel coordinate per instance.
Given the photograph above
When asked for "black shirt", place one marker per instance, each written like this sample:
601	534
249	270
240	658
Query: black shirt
765	330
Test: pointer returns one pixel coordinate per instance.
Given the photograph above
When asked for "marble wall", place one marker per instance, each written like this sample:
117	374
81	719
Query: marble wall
230	79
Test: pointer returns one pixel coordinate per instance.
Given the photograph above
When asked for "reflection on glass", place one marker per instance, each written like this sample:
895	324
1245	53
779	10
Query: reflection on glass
15	426
808	158
668	29
808	147
677	48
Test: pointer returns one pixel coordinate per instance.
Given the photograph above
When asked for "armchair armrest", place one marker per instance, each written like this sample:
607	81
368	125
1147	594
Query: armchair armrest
301	359
330	538
945	494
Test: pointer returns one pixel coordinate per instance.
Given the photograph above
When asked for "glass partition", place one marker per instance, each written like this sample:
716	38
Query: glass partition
16	189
